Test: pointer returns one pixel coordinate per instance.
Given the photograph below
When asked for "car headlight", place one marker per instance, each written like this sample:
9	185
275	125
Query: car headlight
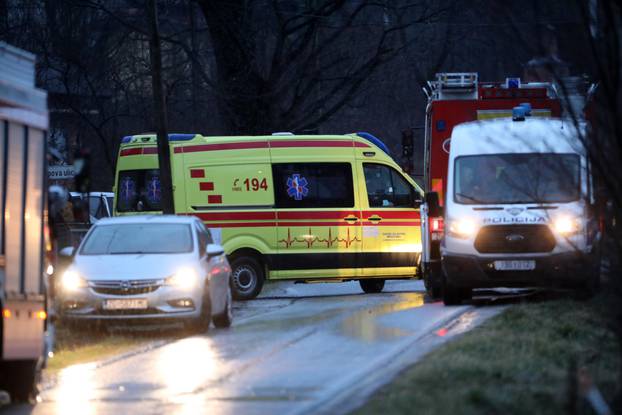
462	228
566	225
184	278
71	281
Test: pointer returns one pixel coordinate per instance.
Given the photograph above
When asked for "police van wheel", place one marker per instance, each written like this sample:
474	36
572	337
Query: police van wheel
371	286
247	278
432	281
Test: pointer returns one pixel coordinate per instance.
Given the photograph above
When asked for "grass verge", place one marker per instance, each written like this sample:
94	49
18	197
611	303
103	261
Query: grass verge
75	345
517	362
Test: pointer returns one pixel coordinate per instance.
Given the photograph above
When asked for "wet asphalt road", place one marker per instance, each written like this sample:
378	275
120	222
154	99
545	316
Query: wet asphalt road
297	349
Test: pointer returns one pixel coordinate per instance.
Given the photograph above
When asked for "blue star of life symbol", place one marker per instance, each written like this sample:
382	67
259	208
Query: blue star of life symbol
128	189
154	190
297	187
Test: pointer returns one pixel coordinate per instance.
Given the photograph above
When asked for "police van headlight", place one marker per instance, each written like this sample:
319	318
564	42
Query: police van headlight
462	228
566	225
184	278
71	281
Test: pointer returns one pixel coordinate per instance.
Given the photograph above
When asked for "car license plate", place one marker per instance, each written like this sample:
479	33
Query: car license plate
515	265
126	304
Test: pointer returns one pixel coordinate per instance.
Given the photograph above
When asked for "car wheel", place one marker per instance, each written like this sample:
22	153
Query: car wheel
19	378
201	324
224	320
247	278
371	286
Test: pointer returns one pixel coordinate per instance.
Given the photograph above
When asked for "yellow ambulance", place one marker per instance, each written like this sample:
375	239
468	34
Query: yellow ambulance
286	207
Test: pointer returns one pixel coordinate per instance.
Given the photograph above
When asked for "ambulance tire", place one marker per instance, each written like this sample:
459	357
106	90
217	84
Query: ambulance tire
371	286
247	277
19	379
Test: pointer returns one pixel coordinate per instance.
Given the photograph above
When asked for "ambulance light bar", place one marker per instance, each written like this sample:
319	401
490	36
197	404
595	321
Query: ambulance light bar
149	136
374	140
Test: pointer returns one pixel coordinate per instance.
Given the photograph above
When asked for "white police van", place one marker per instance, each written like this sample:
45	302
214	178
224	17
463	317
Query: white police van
519	208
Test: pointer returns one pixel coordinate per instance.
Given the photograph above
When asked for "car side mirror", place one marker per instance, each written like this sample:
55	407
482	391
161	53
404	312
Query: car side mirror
67	252
214	250
434	207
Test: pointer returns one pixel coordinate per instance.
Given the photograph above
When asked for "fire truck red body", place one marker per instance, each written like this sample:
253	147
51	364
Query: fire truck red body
455	98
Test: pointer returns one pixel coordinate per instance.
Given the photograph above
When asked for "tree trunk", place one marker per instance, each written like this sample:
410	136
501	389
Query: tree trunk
164	153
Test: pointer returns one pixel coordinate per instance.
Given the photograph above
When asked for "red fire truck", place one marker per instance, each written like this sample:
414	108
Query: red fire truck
455	98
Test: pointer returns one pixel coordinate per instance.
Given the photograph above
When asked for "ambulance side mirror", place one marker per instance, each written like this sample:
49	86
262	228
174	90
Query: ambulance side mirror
417	201
434	207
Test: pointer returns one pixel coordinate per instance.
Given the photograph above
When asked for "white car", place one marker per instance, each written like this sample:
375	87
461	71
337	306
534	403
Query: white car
139	267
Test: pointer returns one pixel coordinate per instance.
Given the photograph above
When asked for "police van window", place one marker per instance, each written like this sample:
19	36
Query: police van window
313	185
139	190
386	187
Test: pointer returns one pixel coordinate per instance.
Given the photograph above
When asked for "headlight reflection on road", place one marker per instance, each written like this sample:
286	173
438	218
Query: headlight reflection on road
75	390
186	365
365	325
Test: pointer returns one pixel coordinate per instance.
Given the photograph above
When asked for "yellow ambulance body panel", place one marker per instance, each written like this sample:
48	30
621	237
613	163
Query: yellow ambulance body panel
307	208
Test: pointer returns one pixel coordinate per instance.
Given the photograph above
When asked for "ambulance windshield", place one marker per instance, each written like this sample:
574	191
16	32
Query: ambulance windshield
517	178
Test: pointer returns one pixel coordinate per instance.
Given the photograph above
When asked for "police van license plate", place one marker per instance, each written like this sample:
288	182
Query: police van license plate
126	304
515	265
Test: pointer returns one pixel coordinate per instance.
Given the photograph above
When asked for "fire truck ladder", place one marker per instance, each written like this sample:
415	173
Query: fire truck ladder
455	85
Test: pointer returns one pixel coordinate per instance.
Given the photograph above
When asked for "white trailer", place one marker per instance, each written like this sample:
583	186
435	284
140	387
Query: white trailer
23	125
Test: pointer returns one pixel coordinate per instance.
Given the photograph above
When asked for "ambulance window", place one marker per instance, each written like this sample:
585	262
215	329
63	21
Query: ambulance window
139	190
313	185
386	187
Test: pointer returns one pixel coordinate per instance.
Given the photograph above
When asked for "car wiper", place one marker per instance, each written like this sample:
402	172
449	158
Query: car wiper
473	199
127	252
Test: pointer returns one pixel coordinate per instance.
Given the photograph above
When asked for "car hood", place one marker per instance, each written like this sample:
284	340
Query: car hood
131	266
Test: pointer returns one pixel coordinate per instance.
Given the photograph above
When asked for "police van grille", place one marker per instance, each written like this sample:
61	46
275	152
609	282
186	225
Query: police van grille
499	239
125	287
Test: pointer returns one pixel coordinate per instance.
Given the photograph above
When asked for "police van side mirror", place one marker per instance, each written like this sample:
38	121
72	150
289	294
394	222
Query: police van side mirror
434	207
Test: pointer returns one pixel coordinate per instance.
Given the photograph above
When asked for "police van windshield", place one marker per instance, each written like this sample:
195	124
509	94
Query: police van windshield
139	191
517	178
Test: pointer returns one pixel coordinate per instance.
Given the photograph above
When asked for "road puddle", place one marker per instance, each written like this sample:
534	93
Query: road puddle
365	324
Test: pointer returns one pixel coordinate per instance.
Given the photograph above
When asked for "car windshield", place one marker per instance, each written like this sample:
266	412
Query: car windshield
138	238
517	178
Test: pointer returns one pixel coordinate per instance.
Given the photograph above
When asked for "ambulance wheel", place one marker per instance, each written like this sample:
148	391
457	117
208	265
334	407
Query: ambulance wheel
19	379
247	277
372	286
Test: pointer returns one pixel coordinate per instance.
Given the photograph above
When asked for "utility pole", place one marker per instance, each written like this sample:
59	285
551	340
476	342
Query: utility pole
164	152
